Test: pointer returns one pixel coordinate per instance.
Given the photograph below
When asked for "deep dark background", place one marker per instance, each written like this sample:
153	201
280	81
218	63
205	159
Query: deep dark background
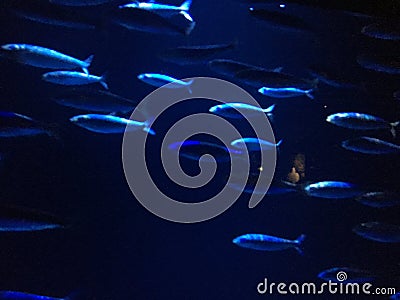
118	250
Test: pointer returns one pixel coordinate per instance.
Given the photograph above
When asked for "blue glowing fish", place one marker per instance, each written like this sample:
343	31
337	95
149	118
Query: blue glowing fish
255	144
164	10
18	219
332	190
45	58
159	80
110	124
240	110
73	78
268	243
285	92
360	121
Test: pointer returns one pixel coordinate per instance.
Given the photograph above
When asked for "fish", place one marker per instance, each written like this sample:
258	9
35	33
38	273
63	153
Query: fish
240	110
268	243
351	275
369	145
378	232
21	219
272	190
383	30
286	92
15	295
385	9
332	79
147	21
95	101
80	2
164	10
17	125
360	121
194	150
379	199
230	67
110	124
74	78
159	80
258	78
188	55
41	57
54	16
332	190
255	144
280	20
389	64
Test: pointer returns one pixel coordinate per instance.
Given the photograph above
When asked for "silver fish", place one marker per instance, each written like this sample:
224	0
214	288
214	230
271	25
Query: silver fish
73	78
240	110
255	144
378	232
383	30
45	58
110	124
332	190
360	121
379	199
369	145
286	92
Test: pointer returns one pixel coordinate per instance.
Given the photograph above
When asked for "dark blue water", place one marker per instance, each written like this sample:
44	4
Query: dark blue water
116	249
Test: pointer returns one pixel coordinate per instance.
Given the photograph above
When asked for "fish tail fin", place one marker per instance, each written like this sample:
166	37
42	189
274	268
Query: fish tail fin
186	5
301	239
147	126
189	85
270	109
393	128
299	242
103	80
309	94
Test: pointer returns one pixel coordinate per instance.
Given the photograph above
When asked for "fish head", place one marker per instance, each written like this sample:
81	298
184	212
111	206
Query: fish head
239	144
144	76
364	228
11	47
79	119
216	109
